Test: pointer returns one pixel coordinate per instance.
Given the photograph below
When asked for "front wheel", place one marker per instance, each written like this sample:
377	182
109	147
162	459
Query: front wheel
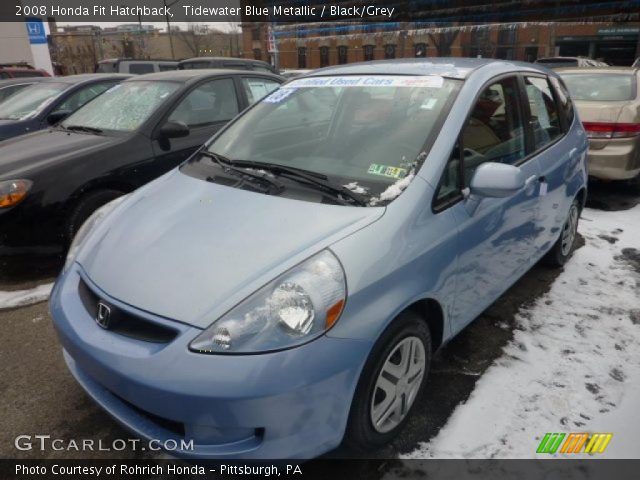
563	248
391	383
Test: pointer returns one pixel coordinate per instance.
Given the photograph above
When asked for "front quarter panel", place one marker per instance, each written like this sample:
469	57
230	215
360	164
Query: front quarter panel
408	255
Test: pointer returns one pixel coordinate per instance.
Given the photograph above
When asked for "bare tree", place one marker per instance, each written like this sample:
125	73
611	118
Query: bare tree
194	41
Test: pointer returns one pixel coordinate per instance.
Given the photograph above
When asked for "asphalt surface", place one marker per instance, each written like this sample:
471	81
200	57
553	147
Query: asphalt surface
39	397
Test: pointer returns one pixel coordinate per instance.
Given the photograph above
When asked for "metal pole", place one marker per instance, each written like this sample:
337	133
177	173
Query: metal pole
166	17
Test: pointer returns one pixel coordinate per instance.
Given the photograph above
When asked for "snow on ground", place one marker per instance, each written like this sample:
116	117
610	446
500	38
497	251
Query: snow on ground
21	298
573	364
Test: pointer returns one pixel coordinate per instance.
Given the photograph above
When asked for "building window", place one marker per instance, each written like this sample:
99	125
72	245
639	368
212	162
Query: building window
302	57
368	52
389	51
420	49
257	54
255	33
342	54
507	36
324	56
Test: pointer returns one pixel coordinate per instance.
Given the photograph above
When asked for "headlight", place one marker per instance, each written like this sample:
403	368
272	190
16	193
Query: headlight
13	192
296	307
89	224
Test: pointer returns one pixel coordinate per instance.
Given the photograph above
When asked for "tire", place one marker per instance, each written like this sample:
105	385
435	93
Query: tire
408	331
85	207
564	247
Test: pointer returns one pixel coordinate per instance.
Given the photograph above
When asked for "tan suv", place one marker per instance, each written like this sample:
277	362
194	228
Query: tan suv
608	103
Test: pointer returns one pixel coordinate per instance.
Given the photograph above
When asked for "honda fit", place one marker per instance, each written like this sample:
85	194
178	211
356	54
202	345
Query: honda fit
285	288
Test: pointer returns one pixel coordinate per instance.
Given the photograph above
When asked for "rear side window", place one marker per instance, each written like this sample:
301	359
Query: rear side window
601	87
566	105
164	67
545	120
196	65
256	88
26	73
140	68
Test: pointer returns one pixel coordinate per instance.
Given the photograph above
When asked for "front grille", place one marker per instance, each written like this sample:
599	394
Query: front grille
123	322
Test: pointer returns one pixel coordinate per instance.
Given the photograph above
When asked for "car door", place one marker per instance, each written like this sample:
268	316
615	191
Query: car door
556	157
204	109
494	241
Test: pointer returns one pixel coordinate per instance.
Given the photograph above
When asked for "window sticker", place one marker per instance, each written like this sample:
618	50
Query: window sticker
387	171
422	81
279	95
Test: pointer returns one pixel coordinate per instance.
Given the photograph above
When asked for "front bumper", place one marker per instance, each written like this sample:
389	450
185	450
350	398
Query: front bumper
618	159
288	404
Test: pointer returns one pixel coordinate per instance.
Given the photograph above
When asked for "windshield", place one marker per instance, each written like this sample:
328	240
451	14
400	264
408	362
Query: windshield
602	87
123	107
365	133
30	101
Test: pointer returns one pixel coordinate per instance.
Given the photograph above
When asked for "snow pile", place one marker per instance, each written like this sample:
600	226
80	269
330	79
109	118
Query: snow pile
21	298
392	191
355	188
573	364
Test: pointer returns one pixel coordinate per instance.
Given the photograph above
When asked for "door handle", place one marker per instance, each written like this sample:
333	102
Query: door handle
529	181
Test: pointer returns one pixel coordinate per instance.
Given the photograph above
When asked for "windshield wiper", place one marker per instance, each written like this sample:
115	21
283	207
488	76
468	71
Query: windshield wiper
81	128
227	164
318	180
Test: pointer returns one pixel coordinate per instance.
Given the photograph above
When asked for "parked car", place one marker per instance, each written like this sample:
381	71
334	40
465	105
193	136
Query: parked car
52	180
286	287
20	71
13	85
608	102
226	62
136	67
47	102
559	62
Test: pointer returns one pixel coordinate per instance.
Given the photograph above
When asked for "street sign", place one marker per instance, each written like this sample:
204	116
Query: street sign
35	30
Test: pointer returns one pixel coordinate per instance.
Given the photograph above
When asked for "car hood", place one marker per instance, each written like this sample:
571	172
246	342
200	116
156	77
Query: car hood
190	250
23	153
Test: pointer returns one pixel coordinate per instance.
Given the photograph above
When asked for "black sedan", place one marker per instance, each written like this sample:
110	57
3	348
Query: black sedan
49	101
52	180
14	85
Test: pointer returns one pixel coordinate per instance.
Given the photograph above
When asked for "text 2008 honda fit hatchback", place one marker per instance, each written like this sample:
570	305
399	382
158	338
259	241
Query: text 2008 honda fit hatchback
286	287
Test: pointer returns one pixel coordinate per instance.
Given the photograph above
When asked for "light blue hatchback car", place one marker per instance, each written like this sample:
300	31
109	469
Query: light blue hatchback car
285	288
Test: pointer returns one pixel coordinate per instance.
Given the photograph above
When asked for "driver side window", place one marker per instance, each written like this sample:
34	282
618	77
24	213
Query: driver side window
494	131
209	103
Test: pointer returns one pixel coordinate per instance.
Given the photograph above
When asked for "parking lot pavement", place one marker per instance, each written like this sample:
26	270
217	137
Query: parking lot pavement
39	397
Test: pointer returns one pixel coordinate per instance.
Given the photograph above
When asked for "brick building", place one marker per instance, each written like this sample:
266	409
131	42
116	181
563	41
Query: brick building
577	28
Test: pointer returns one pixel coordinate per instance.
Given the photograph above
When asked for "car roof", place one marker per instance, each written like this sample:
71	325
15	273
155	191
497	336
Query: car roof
20	80
223	59
453	67
193	75
597	70
87	77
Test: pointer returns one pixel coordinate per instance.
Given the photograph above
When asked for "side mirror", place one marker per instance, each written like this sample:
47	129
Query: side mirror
173	130
494	180
497	180
57	116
